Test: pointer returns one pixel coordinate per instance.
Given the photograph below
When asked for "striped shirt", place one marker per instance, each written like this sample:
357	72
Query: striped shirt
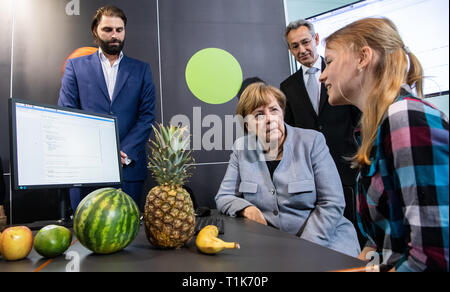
403	196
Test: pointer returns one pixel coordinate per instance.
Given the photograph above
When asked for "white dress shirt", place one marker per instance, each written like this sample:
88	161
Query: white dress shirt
110	72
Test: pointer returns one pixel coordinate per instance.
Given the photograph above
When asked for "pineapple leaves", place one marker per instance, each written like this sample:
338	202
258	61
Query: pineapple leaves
170	162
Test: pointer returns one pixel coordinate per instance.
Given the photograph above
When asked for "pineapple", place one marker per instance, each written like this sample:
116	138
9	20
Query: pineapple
169	212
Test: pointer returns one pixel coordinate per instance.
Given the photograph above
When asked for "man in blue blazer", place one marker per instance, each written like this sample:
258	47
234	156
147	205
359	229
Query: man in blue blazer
109	82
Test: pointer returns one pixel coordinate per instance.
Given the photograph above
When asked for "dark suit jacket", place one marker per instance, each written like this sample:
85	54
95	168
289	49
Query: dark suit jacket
133	103
336	123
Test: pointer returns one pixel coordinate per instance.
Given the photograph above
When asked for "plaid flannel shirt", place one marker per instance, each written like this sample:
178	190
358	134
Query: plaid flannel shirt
403	196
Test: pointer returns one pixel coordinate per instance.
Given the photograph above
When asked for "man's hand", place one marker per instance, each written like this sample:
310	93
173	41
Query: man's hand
122	157
254	214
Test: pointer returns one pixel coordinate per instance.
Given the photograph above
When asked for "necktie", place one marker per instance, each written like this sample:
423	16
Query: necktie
313	88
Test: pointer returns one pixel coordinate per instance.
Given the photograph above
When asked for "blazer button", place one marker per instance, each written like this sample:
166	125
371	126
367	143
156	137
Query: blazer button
273	192
275	213
320	127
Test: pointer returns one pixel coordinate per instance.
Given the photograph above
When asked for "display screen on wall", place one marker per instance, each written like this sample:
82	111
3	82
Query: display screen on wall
423	26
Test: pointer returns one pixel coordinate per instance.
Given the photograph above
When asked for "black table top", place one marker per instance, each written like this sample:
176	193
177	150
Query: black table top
263	249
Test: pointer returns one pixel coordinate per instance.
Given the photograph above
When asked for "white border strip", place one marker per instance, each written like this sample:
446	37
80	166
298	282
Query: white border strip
286	14
13	15
159	61
292	61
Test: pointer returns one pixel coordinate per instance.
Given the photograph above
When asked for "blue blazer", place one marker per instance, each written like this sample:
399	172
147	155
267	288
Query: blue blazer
304	198
133	103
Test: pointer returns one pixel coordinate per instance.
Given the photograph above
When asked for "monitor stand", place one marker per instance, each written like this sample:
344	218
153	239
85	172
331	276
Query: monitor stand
64	218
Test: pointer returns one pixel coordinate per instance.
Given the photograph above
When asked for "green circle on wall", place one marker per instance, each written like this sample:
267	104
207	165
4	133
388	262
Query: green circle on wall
214	76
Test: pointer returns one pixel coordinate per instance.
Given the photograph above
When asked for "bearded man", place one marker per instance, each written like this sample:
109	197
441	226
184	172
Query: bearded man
109	82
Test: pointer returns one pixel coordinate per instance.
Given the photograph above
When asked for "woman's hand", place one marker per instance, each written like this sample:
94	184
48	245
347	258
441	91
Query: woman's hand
254	214
363	256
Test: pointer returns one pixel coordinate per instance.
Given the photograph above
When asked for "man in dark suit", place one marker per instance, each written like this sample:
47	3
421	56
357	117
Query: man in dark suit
307	105
111	83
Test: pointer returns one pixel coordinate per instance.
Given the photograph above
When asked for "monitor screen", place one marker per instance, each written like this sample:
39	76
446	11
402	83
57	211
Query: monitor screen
59	147
423	26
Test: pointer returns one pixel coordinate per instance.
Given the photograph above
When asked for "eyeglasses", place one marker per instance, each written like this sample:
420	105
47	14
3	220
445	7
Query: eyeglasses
304	43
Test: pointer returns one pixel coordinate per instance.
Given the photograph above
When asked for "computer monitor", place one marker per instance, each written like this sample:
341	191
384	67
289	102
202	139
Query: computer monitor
56	147
423	26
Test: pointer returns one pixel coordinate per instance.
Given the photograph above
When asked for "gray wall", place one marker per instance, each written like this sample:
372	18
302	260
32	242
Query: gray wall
5	69
250	30
44	35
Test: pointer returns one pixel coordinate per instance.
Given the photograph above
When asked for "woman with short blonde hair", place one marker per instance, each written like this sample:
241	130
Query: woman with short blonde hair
289	180
259	94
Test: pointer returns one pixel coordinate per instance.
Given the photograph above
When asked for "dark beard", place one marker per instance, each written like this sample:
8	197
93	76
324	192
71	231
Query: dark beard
107	48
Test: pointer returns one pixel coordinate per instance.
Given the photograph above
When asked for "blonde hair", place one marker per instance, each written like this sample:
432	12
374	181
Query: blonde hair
391	71
256	95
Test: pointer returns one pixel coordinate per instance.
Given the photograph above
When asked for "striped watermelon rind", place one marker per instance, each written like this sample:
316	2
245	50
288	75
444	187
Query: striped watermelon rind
106	221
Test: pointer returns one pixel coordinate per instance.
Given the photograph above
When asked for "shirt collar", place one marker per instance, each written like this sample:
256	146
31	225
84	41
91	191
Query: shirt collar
104	59
407	88
317	64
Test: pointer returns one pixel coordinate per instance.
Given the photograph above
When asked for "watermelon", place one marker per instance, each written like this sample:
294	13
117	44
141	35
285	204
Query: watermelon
106	221
52	241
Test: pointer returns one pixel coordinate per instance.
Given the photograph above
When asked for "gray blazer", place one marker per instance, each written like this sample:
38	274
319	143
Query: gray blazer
305	197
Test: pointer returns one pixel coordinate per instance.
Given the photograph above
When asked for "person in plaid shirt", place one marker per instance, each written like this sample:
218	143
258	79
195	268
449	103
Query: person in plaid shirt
403	185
